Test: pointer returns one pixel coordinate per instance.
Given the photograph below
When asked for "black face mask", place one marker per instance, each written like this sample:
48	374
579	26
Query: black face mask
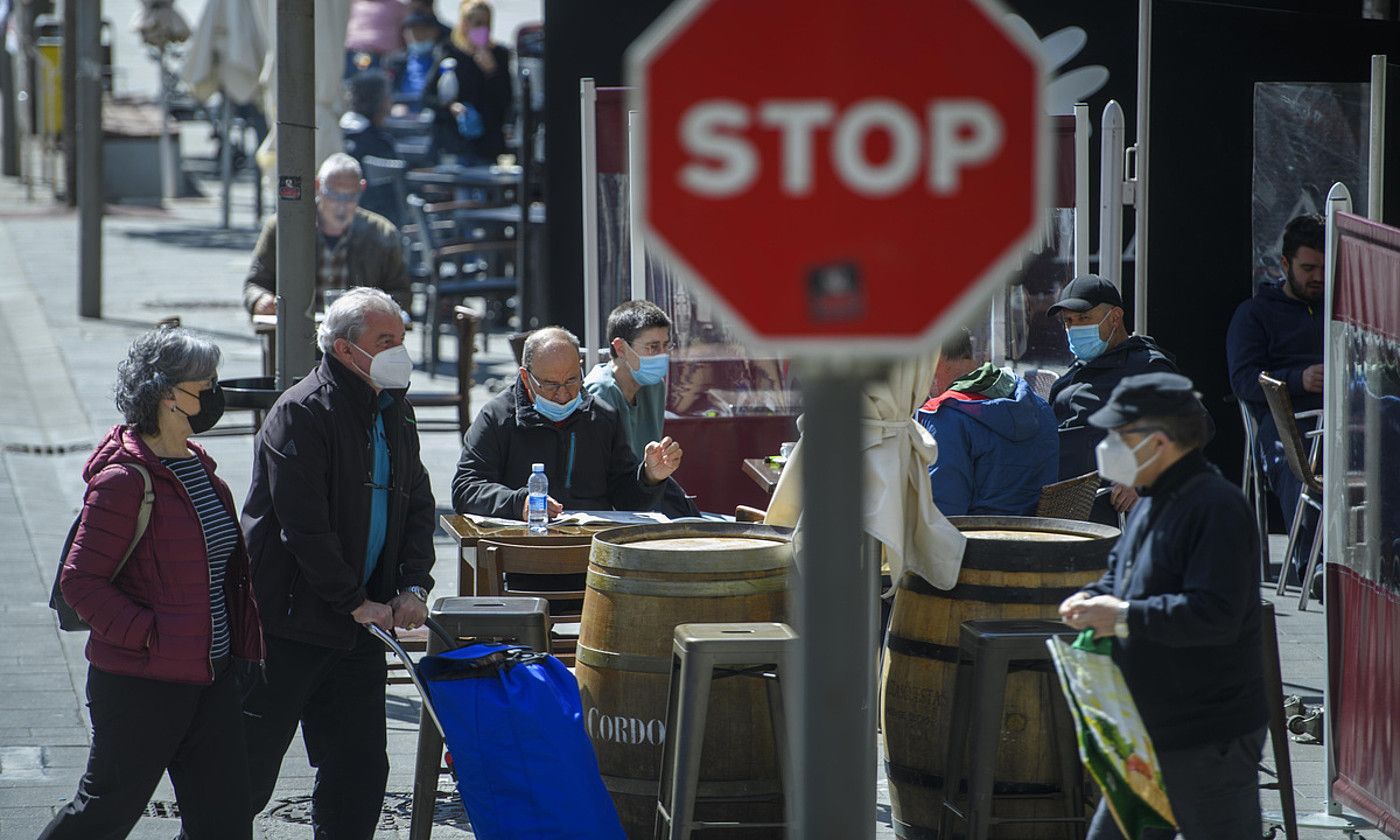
211	408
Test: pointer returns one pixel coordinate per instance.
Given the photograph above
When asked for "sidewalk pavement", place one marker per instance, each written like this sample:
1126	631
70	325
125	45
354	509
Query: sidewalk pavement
57	372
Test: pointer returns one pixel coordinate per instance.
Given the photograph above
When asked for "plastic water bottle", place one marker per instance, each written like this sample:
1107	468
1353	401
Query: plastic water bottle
538	486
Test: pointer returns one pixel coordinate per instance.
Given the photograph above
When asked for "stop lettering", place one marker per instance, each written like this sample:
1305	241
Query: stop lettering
840	171
932	147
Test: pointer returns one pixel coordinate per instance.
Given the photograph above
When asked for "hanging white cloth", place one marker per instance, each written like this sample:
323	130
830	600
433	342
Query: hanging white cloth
332	17
227	51
898	498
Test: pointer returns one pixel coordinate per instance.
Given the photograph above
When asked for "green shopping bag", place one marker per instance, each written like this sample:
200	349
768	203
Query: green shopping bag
1113	741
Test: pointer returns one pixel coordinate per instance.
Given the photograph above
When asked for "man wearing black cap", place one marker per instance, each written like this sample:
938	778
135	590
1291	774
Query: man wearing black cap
1181	599
1105	352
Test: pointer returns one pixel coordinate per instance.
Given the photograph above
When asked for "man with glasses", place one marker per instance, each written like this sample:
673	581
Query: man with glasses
355	247
547	417
1180	600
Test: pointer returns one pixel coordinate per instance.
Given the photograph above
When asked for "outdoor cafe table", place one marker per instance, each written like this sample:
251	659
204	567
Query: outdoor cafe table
467	531
764	474
492	184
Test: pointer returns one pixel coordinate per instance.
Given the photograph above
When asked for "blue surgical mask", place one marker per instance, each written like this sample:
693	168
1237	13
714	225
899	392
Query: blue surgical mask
1084	341
556	412
653	369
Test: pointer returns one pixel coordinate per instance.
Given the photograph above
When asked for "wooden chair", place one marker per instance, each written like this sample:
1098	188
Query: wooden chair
549	563
467	322
1072	498
1304	465
456	266
1040	381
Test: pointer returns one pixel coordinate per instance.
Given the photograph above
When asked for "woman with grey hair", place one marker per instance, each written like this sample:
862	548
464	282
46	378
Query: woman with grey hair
159	571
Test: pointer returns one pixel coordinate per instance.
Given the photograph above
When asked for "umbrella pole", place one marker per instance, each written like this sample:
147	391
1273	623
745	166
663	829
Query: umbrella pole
167	156
226	157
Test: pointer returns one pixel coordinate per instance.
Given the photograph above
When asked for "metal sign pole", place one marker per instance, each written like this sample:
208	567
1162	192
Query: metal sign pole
296	191
833	794
88	108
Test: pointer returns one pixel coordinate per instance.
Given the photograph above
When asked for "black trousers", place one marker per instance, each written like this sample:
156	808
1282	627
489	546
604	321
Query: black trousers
338	698
140	729
1213	790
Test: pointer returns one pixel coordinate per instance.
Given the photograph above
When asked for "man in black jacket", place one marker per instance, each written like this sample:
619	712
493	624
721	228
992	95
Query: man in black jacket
547	417
339	521
1181	599
1091	310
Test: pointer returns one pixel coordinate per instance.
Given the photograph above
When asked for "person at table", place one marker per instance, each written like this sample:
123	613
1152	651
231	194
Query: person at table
1091	310
473	93
997	444
547	417
1279	331
355	247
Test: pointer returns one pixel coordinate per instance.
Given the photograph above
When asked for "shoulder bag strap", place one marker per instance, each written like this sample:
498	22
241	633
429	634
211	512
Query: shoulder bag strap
143	516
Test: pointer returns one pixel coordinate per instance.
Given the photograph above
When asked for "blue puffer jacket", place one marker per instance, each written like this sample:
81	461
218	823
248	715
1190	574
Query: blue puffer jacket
993	455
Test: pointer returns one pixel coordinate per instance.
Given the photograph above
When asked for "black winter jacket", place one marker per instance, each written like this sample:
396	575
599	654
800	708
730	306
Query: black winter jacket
307	513
1084	389
1193	659
587	458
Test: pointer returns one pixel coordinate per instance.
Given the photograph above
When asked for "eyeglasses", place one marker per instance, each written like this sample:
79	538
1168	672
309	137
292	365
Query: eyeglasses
567	386
340	197
655	348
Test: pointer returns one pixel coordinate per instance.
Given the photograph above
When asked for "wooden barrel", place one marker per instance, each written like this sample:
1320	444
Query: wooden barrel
1014	567
642	582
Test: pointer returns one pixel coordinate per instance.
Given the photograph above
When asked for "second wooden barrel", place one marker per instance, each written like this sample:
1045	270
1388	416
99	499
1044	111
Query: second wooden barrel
1014	567
642	582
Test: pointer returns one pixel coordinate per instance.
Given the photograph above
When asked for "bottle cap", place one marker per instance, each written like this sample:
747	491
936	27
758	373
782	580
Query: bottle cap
537	468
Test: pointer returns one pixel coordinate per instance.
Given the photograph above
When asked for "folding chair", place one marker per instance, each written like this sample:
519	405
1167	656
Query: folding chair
1305	468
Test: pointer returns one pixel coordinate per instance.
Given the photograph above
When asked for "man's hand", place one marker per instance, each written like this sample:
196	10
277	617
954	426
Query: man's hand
1099	612
1123	497
551	507
660	459
266	305
1312	379
373	612
409	612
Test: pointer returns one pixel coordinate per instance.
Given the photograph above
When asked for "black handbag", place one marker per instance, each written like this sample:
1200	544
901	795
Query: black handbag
67	618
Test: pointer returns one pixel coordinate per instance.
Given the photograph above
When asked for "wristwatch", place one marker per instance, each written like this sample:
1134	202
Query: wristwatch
418	592
1120	624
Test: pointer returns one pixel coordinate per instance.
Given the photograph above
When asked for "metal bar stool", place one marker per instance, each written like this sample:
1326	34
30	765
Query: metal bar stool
701	654
986	652
522	621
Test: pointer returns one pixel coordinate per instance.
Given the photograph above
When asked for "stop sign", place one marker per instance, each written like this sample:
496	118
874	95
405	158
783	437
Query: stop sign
851	172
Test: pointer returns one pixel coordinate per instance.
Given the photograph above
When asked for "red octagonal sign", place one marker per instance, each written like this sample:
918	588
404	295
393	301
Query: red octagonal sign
848	173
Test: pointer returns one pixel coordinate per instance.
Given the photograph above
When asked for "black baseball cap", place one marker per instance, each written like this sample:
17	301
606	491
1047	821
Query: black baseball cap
1148	395
1084	293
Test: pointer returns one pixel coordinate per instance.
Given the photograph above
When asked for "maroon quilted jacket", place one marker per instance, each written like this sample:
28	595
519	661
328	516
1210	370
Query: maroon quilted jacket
153	621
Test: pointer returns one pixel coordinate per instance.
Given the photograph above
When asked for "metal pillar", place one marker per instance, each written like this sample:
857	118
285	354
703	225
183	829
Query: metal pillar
1144	111
88	107
226	155
1375	169
296	191
69	75
1082	129
1111	194
9	115
637	248
833	792
588	100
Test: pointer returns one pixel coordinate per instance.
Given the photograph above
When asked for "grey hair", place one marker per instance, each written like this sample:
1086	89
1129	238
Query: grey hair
338	164
369	91
543	338
155	364
346	317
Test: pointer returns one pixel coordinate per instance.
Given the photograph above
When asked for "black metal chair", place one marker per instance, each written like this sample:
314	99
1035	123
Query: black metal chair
386	191
456	266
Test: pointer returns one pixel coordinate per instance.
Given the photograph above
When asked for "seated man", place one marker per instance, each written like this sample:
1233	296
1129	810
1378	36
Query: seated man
425	44
1279	330
634	381
546	417
354	246
1105	352
997	443
362	136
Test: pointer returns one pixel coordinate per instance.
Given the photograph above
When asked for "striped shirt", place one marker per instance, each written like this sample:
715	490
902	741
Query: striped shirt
220	539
